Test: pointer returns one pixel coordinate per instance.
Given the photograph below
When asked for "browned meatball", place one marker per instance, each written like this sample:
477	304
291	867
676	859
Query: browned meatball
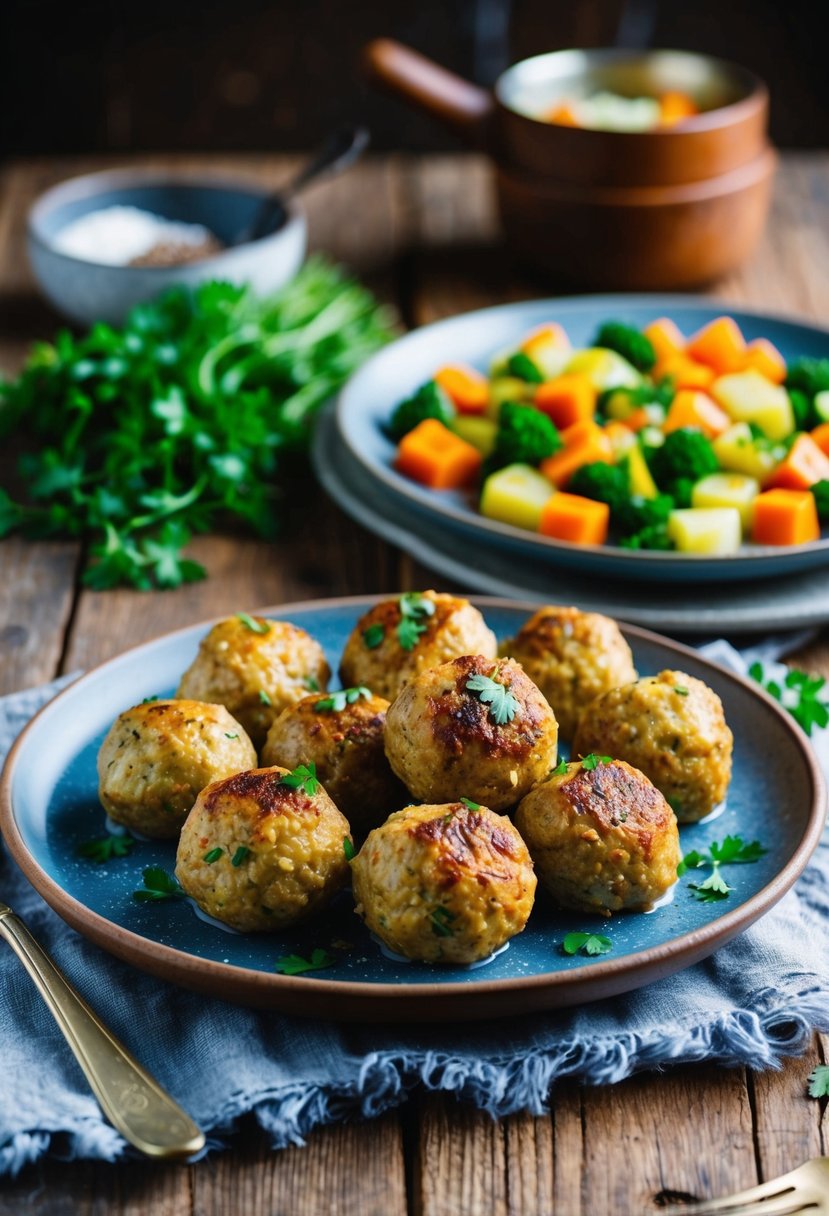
258	854
444	884
672	727
475	728
398	638
602	838
573	657
344	739
255	671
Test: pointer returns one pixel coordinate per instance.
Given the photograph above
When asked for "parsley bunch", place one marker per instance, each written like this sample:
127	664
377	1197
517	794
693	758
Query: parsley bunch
133	439
732	851
801	694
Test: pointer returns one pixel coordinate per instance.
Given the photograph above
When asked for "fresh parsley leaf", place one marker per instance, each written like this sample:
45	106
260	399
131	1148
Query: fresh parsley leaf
734	851
304	778
229	736
680	688
373	636
336	701
408	633
312	684
106	848
712	887
819	1081
591	761
469	804
158	887
295	964
241	854
805	697
254	625
560	769
586	943
691	861
413	608
348	849
503	704
213	855
149	700
441	919
264	698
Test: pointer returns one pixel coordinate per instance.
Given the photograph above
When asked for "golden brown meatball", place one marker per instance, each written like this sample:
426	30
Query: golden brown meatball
444	884
344	739
256	671
159	755
398	638
672	727
602	839
258	854
476	728
573	657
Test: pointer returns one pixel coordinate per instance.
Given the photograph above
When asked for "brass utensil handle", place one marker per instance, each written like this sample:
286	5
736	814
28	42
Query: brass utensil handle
133	1102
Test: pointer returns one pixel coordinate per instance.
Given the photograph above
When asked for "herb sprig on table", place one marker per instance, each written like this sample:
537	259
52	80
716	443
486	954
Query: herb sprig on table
805	697
733	851
134	439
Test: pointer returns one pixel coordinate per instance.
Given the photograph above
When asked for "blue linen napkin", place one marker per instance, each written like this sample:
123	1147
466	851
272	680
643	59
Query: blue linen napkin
754	1001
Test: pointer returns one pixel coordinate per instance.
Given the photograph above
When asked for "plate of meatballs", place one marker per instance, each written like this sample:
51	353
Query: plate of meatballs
493	808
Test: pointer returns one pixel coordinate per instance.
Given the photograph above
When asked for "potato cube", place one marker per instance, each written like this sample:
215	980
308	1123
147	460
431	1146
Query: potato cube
728	490
604	369
737	451
515	495
712	531
749	397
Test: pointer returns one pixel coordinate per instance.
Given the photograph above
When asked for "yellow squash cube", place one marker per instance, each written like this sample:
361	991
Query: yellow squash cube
749	397
639	475
712	531
515	495
737	452
508	388
728	490
480	432
604	369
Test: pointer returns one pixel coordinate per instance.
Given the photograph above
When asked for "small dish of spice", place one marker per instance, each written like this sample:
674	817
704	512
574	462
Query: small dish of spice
130	236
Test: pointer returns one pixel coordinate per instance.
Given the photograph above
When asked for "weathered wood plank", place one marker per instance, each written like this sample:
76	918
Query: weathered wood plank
91	1189
36	594
356	1168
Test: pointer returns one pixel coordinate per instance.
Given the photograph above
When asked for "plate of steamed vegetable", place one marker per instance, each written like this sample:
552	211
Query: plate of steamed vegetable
412	807
639	436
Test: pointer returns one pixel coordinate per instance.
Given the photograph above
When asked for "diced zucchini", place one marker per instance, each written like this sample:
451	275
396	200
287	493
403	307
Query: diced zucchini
478	431
728	490
639	475
738	452
712	531
515	495
750	397
604	369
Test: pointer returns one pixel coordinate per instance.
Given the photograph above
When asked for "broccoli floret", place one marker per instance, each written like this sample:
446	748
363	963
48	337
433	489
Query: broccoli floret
820	492
628	342
638	513
654	536
430	401
809	376
524	436
804	418
686	455
602	482
522	367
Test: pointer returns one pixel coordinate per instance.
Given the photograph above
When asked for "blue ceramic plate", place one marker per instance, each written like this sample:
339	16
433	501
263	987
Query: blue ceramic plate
367	401
50	806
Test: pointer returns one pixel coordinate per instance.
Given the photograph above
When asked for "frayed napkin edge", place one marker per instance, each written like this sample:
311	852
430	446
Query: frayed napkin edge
774	1025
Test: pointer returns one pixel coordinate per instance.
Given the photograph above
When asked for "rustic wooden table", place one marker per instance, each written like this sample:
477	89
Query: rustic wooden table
421	230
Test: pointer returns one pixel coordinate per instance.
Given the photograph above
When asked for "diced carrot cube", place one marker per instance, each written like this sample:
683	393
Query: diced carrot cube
766	359
803	465
785	517
432	455
675	107
567	399
821	437
693	408
545	336
665	338
584	443
579	520
685	372
719	345
467	388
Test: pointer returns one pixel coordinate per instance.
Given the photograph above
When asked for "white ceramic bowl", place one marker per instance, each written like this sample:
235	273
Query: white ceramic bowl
89	291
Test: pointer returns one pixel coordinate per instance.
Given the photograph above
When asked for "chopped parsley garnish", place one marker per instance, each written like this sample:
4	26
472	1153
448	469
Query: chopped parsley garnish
148	700
373	636
732	851
560	769
591	761
586	943
800	694
312	684
158	886
251	623
302	778
240	855
413	608
337	701
819	1081
679	688
348	849
264	698
295	964
441	919
227	736
469	804
213	855
105	848
503	704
